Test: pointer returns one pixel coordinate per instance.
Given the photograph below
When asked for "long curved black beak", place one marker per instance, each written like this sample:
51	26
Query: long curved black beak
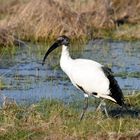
54	46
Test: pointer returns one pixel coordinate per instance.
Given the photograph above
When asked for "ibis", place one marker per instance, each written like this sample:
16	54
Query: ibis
87	75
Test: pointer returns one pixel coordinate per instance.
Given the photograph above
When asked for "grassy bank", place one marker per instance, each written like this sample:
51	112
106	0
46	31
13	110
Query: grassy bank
51	119
44	19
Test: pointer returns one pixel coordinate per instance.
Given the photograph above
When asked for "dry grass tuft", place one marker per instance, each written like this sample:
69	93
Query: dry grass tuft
46	19
6	37
40	19
8	7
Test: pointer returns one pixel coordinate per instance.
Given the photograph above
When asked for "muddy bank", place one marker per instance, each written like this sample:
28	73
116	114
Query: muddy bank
46	19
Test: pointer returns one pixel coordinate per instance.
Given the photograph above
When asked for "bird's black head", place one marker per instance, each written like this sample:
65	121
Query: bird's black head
61	40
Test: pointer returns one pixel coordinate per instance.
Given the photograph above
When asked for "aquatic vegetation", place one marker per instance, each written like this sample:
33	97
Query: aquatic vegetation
2	84
124	74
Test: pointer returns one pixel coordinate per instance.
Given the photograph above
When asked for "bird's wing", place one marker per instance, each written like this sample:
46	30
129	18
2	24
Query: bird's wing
115	90
89	75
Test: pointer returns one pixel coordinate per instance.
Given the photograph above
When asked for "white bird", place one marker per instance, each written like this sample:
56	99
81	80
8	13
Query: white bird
87	75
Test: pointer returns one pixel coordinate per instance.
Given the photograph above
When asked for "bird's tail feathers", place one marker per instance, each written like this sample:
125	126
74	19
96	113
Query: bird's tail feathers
108	97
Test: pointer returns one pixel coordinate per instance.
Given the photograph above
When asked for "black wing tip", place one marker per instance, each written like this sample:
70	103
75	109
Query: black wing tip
116	92
121	102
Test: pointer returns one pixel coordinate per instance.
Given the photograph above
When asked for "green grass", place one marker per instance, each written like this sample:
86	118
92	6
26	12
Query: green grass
52	119
125	74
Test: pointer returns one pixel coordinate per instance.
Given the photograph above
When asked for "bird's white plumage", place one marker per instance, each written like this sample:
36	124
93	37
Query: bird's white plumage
85	73
88	74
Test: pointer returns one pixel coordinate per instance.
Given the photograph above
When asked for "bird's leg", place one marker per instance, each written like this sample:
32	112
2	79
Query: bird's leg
99	106
103	105
84	108
105	109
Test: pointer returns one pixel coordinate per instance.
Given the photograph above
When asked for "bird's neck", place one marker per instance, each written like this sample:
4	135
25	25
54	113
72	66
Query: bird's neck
65	52
65	60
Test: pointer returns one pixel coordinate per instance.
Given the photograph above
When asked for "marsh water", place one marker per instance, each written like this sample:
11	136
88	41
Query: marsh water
24	79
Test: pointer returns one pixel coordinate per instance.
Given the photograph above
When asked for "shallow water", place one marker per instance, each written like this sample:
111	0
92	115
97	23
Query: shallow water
25	79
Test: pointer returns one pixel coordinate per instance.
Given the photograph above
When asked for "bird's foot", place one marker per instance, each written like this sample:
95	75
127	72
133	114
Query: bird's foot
102	106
